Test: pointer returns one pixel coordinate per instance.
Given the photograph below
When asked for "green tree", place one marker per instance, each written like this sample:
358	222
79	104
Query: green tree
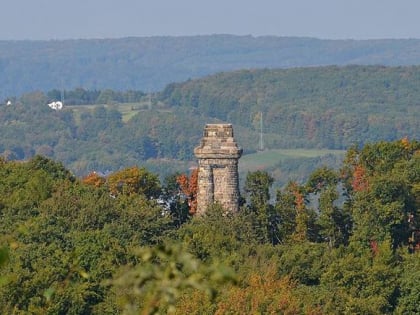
321	179
106	96
285	209
163	273
364	280
257	188
266	220
380	194
217	236
409	300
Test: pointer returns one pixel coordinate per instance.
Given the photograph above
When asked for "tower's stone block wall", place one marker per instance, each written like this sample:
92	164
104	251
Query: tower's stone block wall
218	156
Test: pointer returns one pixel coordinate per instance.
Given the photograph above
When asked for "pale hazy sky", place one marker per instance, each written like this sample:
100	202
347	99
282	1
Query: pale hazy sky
327	19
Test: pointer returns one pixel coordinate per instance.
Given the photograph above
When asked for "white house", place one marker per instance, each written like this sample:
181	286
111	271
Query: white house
56	105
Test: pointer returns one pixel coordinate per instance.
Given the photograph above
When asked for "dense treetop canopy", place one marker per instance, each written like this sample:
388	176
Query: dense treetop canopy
347	241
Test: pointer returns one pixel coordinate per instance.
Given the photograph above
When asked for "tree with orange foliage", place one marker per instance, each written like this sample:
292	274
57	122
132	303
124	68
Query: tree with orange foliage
189	187
405	143
264	292
134	180
93	179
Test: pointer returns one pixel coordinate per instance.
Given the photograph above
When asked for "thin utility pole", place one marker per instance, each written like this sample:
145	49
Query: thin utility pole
261	132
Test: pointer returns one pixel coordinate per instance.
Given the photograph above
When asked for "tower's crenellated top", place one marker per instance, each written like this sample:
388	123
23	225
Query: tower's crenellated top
218	143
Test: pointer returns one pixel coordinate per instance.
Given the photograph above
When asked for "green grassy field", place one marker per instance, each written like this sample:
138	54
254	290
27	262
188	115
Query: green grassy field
127	110
269	158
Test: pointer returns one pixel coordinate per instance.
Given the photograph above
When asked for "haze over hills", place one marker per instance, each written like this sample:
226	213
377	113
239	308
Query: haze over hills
305	103
150	63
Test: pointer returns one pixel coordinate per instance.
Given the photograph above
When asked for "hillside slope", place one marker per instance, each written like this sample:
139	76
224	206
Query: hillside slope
318	107
149	63
313	108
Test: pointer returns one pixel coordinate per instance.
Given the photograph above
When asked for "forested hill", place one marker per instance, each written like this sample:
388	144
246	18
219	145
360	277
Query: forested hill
149	63
313	108
325	107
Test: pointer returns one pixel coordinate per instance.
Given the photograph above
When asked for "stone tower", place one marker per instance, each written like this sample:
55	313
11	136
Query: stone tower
218	180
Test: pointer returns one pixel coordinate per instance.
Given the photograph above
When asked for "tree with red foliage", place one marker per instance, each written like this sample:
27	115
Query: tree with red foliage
359	182
189	187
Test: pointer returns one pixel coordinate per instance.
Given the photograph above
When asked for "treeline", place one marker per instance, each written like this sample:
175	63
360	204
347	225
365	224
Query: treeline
80	96
126	243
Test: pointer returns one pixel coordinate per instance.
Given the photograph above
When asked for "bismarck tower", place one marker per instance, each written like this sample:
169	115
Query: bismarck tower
218	179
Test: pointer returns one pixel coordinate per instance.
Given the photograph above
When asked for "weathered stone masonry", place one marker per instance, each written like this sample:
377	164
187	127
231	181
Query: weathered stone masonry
218	156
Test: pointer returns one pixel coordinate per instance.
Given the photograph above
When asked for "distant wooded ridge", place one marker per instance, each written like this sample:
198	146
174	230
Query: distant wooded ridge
150	63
